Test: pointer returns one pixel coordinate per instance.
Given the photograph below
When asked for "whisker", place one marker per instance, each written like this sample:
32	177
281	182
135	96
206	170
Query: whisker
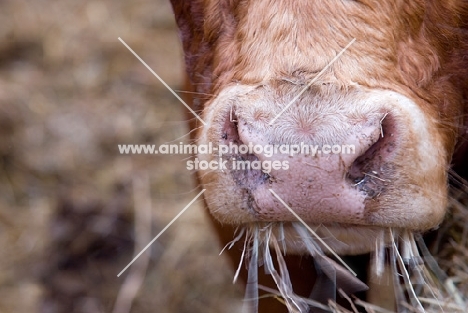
194	92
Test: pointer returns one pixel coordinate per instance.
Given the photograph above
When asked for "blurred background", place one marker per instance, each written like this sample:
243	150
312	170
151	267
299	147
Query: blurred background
73	211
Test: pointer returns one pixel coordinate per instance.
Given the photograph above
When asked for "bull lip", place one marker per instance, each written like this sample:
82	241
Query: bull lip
346	239
324	225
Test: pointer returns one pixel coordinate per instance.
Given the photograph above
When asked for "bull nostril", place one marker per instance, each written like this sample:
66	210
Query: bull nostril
230	132
362	163
370	172
240	163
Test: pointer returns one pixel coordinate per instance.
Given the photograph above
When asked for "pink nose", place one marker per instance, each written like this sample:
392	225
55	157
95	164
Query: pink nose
325	178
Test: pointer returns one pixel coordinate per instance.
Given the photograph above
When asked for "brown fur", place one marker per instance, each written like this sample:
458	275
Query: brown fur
416	48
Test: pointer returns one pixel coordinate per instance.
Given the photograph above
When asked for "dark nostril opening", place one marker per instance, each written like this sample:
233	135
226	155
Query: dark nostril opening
240	164
370	172
230	132
365	161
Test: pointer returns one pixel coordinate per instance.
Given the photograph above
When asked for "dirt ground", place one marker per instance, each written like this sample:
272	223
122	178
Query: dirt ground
72	207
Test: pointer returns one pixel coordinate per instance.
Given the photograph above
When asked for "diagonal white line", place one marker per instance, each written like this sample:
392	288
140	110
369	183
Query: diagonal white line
162	231
162	81
312	81
313	232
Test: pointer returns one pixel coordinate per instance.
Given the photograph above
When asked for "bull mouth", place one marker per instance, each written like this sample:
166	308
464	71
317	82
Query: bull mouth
397	249
330	237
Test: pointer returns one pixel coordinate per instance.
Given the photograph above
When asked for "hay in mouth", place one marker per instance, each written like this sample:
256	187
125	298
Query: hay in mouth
419	284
